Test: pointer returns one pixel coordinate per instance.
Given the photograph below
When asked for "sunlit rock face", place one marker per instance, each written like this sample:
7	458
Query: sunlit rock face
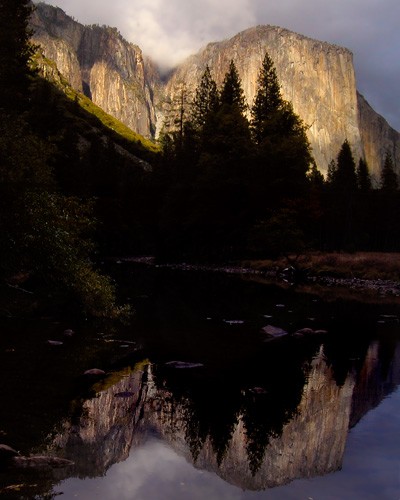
317	77
103	430
99	62
312	443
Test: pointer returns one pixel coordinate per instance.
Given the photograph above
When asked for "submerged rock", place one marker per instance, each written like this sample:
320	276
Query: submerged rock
40	462
274	331
183	365
96	372
54	342
304	332
258	390
7	453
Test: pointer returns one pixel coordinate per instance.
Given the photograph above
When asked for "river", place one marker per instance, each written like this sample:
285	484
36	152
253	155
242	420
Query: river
221	387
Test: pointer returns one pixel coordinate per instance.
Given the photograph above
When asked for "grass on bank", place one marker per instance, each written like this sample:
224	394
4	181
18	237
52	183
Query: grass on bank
48	69
363	265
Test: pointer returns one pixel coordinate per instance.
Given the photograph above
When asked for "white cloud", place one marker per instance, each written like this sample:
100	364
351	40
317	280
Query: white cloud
166	31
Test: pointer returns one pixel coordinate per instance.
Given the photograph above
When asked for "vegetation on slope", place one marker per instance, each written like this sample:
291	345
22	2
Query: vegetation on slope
56	161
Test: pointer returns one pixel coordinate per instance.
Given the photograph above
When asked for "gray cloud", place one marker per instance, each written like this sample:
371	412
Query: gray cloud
170	31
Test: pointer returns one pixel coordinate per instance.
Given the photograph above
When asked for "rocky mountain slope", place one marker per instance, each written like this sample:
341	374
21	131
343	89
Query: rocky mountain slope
100	63
317	77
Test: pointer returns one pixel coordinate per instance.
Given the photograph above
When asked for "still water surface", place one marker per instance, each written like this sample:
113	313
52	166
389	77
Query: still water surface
198	402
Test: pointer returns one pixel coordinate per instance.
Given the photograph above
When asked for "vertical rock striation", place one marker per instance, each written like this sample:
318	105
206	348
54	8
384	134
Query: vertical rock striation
317	77
99	62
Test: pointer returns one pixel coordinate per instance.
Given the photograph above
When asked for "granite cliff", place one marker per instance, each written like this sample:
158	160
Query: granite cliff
317	77
100	63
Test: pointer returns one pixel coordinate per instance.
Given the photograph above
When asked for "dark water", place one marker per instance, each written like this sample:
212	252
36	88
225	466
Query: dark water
197	402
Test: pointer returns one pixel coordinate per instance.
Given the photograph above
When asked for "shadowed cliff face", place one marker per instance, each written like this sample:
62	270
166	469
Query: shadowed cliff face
317	77
99	62
377	137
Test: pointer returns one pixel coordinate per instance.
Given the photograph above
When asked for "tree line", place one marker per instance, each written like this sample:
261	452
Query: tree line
242	182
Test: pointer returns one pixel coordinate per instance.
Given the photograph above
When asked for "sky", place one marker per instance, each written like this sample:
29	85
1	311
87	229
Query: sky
170	30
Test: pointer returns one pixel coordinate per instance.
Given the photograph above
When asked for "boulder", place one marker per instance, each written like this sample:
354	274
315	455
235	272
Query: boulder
274	331
7	453
40	462
183	365
94	372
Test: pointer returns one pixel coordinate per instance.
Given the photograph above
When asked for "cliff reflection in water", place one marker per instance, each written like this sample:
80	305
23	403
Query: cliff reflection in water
254	437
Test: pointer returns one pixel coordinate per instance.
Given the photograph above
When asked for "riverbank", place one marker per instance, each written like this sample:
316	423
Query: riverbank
363	271
375	273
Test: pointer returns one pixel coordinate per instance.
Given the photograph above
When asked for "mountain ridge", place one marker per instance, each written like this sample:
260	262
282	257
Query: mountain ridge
316	76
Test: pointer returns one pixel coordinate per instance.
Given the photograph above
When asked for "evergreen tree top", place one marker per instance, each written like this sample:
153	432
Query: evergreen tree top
232	93
389	179
363	176
268	98
345	175
206	99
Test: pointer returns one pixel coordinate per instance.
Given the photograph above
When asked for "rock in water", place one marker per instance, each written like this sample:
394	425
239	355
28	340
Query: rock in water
303	332
40	462
274	331
6	454
183	365
96	372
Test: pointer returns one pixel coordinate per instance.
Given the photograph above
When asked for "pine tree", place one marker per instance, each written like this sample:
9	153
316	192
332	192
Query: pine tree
268	99
177	111
232	93
345	176
342	200
363	177
389	179
332	169
16	52
226	140
315	177
206	99
283	150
